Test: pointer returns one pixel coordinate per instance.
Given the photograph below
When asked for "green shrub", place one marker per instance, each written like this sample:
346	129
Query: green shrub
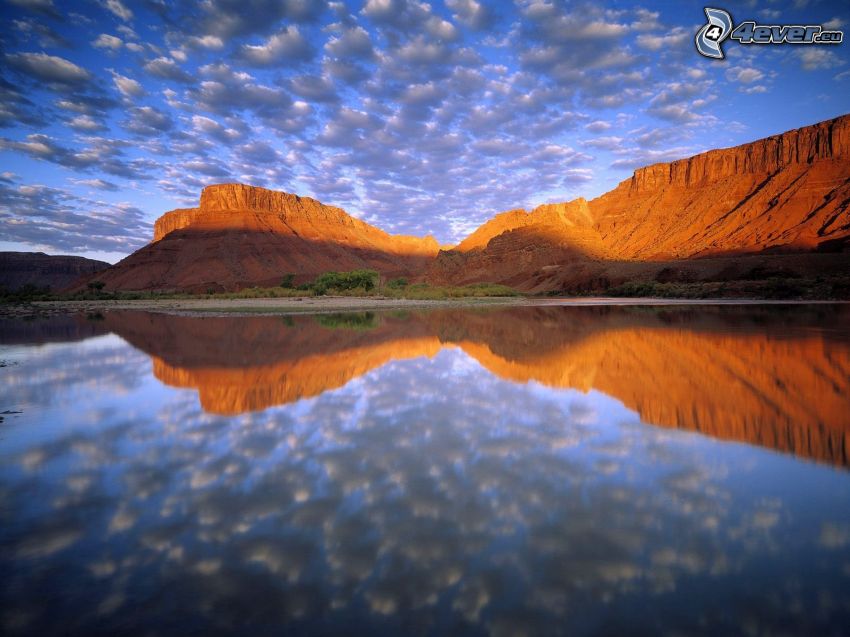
288	281
341	281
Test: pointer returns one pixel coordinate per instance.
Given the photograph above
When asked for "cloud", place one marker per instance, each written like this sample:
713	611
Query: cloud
101	154
597	126
674	37
86	124
15	108
55	220
45	7
99	184
128	87
313	88
474	14
38	29
281	49
233	18
50	69
105	41
147	121
604	143
815	59
167	69
119	9
353	42
746	75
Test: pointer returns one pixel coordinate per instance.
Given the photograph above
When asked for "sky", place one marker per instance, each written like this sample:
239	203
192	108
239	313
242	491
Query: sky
420	118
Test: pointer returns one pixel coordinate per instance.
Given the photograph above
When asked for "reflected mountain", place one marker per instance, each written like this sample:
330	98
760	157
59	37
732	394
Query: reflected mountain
777	377
436	495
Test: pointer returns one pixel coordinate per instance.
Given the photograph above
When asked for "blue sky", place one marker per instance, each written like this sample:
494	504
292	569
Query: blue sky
417	117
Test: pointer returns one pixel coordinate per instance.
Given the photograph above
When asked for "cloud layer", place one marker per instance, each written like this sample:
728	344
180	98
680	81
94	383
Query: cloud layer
421	118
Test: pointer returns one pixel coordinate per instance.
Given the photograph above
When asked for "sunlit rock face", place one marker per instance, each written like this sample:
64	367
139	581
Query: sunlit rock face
735	374
784	194
243	235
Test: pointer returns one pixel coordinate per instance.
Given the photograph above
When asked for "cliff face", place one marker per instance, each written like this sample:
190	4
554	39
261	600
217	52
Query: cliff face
789	193
242	235
42	270
786	193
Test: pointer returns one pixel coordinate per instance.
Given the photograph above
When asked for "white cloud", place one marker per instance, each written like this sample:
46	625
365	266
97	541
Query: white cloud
279	49
746	75
128	87
119	9
814	59
597	126
105	41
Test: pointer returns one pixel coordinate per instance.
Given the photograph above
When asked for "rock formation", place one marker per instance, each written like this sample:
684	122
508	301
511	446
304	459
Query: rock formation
18	269
242	235
784	194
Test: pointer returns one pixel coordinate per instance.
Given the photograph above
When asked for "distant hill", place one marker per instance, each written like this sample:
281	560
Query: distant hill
18	269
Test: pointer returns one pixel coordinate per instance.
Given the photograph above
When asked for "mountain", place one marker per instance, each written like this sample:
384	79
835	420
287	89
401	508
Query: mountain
242	235
18	269
774	207
781	195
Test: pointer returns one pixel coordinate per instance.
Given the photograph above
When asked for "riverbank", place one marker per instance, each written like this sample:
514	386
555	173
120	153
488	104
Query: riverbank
324	304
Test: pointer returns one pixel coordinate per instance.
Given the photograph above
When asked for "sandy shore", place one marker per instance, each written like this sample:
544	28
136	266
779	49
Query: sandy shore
301	305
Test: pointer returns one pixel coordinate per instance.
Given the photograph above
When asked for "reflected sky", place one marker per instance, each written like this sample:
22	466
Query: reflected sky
428	491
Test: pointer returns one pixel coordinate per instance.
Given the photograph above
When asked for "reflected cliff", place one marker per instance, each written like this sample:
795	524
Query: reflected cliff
389	474
778	377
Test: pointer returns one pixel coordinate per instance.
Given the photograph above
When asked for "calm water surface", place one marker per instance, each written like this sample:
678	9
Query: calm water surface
548	470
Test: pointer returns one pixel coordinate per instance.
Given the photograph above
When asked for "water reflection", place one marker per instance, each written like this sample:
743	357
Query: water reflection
412	486
778	378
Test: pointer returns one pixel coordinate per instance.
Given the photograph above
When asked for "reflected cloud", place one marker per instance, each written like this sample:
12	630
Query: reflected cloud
500	496
778	378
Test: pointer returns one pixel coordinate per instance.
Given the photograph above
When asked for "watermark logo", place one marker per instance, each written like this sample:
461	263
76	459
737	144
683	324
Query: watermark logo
710	37
717	29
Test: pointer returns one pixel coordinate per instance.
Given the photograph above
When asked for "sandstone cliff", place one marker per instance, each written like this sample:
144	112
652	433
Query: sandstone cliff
42	270
788	193
242	235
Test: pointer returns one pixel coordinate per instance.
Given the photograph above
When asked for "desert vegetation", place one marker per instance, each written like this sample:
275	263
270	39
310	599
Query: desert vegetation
354	283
